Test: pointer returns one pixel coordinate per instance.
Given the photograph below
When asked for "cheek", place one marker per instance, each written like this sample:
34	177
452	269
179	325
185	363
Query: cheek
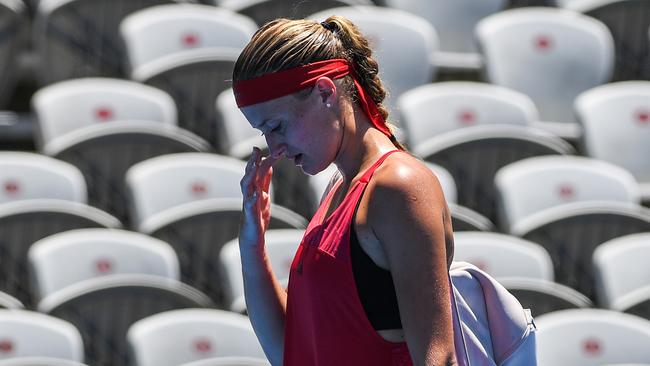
305	141
312	129
305	129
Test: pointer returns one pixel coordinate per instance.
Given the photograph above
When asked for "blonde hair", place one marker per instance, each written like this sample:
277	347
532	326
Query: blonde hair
284	44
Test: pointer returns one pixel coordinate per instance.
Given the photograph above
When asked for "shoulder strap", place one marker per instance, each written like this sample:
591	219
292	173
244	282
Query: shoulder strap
368	173
460	344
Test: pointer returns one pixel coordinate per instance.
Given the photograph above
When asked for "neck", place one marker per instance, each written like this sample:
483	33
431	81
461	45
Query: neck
361	144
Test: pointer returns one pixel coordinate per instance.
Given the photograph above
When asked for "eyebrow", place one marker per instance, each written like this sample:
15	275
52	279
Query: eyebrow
261	124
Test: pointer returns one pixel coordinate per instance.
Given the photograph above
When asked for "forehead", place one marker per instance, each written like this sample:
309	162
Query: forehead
277	108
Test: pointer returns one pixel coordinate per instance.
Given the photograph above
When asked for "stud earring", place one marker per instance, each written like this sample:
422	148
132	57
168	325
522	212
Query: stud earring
328	105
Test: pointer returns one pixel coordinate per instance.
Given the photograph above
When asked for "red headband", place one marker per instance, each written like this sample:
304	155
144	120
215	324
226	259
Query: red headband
281	83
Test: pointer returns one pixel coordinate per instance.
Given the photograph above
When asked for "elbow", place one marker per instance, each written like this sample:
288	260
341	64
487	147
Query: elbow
451	360
440	359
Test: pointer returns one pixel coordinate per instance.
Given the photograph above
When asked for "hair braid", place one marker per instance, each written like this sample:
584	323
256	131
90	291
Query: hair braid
359	53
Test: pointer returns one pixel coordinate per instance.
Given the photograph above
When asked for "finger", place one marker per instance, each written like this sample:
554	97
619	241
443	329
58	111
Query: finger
262	176
247	185
262	170
257	156
250	173
267	180
268	162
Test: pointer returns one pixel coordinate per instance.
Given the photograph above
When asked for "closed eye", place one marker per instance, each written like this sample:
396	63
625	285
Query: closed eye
273	128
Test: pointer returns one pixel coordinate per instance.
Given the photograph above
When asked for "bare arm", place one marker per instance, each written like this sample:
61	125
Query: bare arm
265	298
405	213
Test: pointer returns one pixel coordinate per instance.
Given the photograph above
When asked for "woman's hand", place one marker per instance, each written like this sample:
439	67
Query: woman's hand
257	205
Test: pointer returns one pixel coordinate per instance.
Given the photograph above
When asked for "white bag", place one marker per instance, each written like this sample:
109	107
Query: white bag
490	325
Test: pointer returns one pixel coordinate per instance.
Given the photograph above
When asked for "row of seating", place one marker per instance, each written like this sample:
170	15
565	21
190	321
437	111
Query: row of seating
456	37
207	40
72	105
213	361
613	119
62	259
89	304
522	201
202	336
205	337
108	253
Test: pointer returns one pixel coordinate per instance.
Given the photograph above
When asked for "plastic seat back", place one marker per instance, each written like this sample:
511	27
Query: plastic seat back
62	259
170	180
534	51
429	110
25	175
627	21
591	337
104	308
619	267
156	32
29	334
68	105
616	122
503	255
198	334
534	184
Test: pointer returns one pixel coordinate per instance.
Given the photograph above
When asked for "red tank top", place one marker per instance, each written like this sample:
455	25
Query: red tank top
326	324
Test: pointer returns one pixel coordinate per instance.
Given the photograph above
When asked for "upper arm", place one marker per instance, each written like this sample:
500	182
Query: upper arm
405	211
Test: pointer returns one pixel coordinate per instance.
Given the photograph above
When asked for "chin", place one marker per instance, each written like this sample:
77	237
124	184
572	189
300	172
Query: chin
311	170
307	169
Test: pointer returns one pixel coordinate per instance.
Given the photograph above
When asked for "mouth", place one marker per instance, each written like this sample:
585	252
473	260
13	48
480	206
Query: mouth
297	159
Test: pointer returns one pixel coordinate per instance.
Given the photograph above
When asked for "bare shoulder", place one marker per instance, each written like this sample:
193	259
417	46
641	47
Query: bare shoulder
403	195
405	176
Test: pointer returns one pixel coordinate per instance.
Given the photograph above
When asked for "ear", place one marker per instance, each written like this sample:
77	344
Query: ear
326	89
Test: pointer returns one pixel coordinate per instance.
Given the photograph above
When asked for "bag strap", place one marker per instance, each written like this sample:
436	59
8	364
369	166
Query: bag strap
460	344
